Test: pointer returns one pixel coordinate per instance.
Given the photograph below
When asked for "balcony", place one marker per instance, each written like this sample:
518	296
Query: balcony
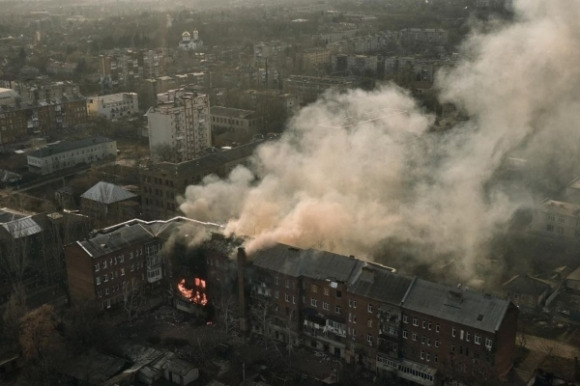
154	274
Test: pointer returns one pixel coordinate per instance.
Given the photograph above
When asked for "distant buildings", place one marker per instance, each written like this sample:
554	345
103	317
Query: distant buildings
190	41
67	154
107	204
179	126
113	106
164	182
234	125
309	88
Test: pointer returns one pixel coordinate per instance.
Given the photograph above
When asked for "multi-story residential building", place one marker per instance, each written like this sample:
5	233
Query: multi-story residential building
375	293
452	333
423	35
309	88
113	106
126	260
354	64
179	127
233	125
35	92
557	219
47	118
112	265
164	182
313	60
413	329
107	204
62	155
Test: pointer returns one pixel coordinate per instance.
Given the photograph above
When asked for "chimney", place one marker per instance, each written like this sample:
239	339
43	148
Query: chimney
242	289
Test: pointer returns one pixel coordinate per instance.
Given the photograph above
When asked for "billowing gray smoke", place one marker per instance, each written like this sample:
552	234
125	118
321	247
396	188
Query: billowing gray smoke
354	170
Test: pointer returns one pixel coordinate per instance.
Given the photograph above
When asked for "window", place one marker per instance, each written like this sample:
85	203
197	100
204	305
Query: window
287	298
550	228
370	323
326	291
405	319
276	294
104	264
276	280
370	339
405	336
370	308
435	358
437	328
414	337
287	283
467	338
436	343
488	343
423	324
453	334
293	299
122	271
423	340
314	288
415	322
98	280
461	334
325	306
121	259
338	294
422	354
97	268
429	326
106	278
428	342
338	309
352	303
477	339
428	357
313	302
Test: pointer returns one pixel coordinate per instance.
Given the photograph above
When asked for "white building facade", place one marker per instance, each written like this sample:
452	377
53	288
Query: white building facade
63	155
113	106
180	125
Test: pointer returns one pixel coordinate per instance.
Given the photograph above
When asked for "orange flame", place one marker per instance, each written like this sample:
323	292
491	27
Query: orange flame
194	295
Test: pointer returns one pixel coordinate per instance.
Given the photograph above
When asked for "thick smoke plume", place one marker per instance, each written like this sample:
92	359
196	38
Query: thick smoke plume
356	169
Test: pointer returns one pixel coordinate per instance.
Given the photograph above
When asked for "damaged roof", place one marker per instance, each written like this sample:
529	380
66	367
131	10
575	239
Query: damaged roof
310	263
526	285
462	306
379	283
107	193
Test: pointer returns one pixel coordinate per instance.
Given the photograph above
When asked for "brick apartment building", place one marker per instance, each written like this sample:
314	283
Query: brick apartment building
452	333
115	263
164	182
365	313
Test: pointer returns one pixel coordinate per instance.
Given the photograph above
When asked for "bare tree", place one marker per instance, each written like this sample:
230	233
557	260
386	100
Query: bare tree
132	298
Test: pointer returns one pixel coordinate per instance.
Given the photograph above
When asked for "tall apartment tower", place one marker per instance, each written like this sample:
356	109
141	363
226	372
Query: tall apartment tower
179	126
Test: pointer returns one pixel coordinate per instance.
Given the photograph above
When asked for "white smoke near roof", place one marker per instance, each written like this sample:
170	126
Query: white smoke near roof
355	169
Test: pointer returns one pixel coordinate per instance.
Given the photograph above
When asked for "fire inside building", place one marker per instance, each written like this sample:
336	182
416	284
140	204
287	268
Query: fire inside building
361	312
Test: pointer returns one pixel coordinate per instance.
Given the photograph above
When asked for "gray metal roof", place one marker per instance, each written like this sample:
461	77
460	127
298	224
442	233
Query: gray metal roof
107	193
18	224
309	263
118	239
466	307
379	283
62	147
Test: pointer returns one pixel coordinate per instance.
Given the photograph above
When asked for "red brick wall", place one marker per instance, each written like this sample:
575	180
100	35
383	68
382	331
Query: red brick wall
79	269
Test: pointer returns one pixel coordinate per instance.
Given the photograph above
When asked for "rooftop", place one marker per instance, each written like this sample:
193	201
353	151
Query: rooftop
18	224
107	193
462	306
230	112
310	263
526	285
65	146
561	207
379	283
